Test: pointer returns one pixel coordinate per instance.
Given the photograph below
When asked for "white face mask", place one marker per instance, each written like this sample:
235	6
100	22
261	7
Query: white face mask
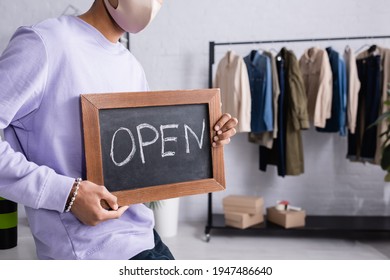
134	15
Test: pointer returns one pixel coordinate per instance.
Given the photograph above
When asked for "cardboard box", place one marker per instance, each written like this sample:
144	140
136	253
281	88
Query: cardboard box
286	219
243	220
243	204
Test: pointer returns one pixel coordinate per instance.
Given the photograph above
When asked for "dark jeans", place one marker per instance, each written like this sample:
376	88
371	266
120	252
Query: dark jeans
362	144
159	252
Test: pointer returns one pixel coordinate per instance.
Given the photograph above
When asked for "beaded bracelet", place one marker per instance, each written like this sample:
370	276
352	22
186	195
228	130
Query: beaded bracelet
76	189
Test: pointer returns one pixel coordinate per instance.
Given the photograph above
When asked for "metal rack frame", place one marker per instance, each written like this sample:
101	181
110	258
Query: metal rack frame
314	224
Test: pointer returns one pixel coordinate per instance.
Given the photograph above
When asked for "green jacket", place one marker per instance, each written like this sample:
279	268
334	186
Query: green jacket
295	110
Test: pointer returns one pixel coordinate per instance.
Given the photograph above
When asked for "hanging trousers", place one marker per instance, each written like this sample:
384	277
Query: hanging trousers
362	144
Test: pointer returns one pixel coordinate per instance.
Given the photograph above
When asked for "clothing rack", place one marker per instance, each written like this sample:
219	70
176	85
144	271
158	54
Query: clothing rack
213	44
314	224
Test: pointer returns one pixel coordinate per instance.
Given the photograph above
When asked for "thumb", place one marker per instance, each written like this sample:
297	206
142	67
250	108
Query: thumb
109	201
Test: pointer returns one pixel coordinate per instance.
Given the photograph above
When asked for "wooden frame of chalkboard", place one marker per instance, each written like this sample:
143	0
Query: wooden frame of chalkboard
105	116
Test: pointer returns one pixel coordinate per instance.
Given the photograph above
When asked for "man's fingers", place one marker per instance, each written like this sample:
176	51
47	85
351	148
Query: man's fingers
115	214
222	121
229	125
104	204
225	128
110	199
122	210
221	142
113	211
95	204
224	138
105	215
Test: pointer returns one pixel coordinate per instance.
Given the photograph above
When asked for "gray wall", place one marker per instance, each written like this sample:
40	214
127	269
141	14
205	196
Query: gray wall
174	53
25	12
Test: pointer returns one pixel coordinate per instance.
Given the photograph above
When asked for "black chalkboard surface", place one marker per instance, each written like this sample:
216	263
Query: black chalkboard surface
146	146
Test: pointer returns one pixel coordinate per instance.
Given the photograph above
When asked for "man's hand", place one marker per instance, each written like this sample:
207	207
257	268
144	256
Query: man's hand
225	129
87	205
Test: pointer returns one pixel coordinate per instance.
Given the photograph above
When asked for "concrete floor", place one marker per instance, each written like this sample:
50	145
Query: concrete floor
189	244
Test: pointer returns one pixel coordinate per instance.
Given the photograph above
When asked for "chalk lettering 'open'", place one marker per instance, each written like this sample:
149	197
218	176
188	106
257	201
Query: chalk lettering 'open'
142	143
130	156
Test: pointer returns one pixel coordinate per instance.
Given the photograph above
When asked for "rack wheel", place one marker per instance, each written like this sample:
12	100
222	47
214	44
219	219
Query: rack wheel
207	237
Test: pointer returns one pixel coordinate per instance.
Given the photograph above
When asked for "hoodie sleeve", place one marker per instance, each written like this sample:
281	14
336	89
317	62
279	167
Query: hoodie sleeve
23	73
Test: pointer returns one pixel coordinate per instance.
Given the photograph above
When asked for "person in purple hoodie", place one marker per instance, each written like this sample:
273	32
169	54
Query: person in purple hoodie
43	71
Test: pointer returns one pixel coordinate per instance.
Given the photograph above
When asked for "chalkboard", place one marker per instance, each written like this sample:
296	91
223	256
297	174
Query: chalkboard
147	146
165	142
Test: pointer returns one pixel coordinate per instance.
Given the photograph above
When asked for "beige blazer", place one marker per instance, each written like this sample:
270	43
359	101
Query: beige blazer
353	88
317	77
232	79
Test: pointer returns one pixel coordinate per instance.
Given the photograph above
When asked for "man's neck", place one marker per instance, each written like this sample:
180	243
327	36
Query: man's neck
98	17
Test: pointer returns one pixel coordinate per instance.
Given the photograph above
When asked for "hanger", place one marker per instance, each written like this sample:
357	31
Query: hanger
362	47
230	49
261	50
372	49
252	54
314	44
